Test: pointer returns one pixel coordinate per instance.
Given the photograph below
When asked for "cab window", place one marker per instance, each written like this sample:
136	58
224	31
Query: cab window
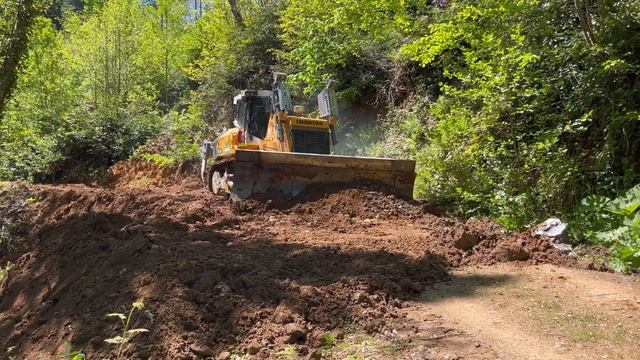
241	111
258	115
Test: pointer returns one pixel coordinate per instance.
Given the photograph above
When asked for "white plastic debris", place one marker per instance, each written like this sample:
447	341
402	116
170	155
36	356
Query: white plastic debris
552	228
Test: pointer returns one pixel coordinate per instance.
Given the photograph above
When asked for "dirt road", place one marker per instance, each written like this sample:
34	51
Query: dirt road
333	274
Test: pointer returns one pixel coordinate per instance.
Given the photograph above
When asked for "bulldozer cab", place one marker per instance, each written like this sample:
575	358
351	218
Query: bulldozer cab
252	112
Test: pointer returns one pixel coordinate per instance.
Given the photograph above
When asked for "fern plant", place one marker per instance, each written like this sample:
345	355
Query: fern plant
127	333
614	223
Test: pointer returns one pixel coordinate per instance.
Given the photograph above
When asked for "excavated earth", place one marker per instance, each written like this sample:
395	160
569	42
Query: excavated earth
217	277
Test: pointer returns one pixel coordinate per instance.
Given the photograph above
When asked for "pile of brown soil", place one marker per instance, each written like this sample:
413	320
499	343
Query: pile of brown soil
140	173
217	279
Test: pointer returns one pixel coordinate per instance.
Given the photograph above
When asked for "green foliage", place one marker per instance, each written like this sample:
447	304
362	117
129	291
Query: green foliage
614	223
355	42
88	95
358	140
104	137
16	20
179	140
519	130
160	160
186	130
233	57
325	39
127	333
35	120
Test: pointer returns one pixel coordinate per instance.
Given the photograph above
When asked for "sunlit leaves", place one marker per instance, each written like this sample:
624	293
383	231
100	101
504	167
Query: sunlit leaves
323	37
115	340
117	315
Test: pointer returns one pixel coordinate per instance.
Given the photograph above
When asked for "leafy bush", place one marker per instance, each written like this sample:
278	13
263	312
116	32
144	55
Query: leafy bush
101	138
179	140
614	223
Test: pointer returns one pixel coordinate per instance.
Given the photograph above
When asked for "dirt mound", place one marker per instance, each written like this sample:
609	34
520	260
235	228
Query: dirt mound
370	207
326	201
215	278
140	173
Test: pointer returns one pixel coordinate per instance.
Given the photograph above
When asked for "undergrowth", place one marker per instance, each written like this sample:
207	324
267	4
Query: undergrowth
613	223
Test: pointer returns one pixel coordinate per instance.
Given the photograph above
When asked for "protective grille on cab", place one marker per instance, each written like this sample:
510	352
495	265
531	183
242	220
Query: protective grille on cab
310	141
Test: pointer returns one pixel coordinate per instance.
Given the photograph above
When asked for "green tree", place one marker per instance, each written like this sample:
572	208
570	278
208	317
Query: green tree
355	42
35	120
16	18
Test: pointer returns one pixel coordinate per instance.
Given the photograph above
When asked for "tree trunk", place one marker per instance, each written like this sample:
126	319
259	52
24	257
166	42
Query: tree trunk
583	8
236	13
15	50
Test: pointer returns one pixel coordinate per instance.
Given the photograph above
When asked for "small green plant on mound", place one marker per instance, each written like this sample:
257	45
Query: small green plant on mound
69	354
328	341
4	272
127	333
354	357
9	353
289	352
614	223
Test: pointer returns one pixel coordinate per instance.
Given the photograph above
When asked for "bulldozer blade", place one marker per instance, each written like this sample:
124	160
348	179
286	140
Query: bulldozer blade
291	173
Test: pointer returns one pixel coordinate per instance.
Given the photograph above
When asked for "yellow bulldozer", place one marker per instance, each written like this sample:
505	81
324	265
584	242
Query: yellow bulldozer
275	146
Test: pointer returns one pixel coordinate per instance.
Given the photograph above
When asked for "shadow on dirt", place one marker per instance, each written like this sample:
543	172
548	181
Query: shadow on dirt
212	285
464	285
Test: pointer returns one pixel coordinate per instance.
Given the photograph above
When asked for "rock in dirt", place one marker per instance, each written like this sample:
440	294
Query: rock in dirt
202	350
510	252
466	240
360	298
253	348
295	333
309	291
565	248
225	355
283	315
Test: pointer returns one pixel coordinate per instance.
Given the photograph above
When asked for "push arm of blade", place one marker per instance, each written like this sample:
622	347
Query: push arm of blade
280	130
207	152
334	138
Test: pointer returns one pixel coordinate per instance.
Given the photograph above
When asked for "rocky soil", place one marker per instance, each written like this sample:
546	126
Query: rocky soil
250	278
